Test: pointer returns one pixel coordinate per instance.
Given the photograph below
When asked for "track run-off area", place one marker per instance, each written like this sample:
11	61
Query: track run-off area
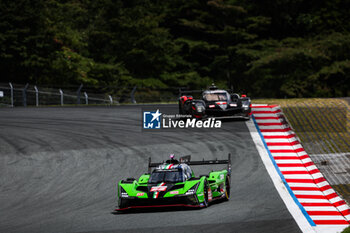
295	175
59	168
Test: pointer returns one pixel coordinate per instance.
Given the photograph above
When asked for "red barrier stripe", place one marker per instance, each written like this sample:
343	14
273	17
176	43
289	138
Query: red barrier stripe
285	157
262	106
345	212
339	203
270	124
310	196
279	136
305	172
266	118
316	204
332	195
283	143
275	130
331	222
326	187
331	213
265	106
301	173
308	164
291	157
305	188
294	172
300	181
288	151
290	165
304	157
314	171
265	112
295	164
319	180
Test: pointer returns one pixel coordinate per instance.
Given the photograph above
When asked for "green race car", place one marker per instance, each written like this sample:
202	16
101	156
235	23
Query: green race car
173	183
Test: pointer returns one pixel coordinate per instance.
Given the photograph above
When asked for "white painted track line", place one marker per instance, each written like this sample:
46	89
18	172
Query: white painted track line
293	208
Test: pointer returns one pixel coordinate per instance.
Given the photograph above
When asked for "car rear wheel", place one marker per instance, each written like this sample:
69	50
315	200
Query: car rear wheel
181	111
206	201
227	188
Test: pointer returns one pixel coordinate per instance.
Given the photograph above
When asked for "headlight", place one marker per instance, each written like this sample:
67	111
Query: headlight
123	193
192	190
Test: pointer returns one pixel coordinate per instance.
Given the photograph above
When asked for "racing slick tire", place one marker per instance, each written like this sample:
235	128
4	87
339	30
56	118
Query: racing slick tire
206	199
227	188
181	111
122	203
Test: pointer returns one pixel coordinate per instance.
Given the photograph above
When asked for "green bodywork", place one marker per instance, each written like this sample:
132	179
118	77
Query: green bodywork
216	183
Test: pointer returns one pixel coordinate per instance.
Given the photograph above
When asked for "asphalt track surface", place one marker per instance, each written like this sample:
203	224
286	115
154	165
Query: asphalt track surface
59	168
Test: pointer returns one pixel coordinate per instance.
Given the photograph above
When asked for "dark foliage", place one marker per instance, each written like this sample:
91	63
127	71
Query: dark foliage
274	48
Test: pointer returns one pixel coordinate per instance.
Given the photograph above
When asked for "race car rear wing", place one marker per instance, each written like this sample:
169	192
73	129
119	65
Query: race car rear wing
186	92
187	160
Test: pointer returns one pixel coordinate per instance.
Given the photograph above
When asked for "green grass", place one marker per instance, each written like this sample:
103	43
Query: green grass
325	122
346	230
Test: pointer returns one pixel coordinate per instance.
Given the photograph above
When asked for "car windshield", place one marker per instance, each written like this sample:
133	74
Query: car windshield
166	176
215	96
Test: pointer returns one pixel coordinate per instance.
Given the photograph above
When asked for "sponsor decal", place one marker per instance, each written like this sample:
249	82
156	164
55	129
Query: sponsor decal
191	123
174	192
222	176
158	120
210	195
151	120
140	194
156	193
222	188
158	189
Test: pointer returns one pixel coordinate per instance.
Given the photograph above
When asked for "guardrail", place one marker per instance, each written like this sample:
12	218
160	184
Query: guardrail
12	95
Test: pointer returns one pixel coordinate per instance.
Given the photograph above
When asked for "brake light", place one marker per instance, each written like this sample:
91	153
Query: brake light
212	106
243	95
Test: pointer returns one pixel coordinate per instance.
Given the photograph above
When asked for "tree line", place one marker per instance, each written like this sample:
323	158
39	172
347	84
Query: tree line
270	48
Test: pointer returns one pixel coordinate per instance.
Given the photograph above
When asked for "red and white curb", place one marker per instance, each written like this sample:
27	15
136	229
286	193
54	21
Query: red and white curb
313	203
